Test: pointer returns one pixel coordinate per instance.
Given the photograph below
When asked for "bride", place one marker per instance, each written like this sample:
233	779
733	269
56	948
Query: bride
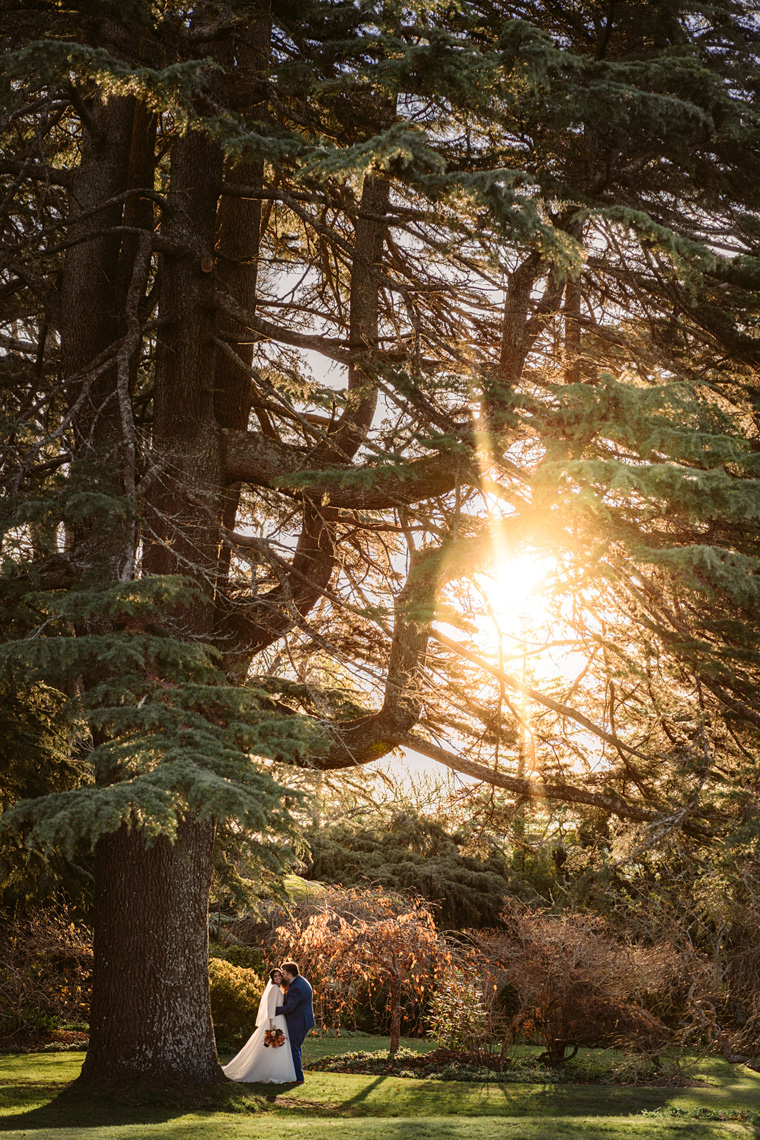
258	1061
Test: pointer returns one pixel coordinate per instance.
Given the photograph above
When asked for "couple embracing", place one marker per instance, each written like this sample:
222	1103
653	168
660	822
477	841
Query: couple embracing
272	1055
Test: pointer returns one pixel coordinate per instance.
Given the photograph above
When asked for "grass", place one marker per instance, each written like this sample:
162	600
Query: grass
34	1103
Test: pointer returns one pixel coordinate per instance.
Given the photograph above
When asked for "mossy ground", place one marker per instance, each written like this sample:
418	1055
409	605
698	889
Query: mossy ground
35	1103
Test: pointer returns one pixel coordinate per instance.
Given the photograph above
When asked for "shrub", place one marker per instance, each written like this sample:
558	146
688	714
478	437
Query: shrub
458	1019
577	984
249	957
235	996
45	979
372	936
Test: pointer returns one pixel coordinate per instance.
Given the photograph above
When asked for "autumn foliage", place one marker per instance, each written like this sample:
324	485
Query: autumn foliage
45	976
352	937
569	980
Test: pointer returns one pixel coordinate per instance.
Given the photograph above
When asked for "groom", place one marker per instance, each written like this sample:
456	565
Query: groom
298	1012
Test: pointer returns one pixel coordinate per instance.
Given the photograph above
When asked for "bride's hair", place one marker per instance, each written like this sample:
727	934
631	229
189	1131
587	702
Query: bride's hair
272	973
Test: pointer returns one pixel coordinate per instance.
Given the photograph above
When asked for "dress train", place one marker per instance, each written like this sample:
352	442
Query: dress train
260	1063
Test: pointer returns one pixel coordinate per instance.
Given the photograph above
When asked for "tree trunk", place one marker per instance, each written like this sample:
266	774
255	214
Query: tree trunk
395	1004
90	319
150	1020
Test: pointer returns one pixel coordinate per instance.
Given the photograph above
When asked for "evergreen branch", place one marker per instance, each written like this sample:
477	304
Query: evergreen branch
254	458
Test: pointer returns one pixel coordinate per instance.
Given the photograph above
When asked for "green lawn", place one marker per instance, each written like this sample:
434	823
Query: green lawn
333	1106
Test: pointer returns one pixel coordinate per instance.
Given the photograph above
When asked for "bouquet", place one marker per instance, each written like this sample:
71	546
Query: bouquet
274	1037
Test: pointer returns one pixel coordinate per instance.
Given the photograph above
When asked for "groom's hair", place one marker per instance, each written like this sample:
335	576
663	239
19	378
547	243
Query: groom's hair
291	968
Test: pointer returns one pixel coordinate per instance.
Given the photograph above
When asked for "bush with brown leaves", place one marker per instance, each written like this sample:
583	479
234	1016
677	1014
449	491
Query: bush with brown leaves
570	981
45	978
357	946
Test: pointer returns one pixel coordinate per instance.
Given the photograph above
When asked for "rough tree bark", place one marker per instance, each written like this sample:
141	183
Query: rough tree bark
150	1016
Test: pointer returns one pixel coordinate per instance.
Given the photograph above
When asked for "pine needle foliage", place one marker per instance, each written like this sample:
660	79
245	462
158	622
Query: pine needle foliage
413	855
314	313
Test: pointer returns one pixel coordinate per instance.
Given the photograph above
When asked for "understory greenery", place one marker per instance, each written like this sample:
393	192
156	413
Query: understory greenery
520	1068
637	976
458	1017
409	852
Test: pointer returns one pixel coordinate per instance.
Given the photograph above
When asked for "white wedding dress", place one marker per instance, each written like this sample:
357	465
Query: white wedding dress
260	1063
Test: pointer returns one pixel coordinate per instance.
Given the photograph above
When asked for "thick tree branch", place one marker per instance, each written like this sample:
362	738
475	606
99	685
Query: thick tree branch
267	330
246	625
39	171
251	457
536	790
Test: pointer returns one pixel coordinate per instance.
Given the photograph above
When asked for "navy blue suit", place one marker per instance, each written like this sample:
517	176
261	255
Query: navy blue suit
299	1014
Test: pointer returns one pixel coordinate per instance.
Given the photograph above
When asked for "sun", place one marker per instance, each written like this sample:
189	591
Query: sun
515	593
523	618
518	616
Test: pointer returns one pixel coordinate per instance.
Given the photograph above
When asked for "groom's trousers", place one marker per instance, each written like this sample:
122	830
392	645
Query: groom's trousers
296	1051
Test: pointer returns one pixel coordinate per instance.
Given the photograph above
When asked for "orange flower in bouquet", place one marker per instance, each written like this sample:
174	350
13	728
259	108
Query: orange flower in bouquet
274	1037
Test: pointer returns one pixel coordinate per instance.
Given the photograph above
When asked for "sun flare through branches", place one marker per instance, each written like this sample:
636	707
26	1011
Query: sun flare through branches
520	613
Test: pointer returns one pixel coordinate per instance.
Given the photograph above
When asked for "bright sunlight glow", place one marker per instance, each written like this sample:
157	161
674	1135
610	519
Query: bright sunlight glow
515	592
522	616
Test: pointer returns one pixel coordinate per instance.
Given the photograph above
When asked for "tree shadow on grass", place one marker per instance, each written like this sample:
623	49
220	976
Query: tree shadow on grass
75	1108
587	1099
364	1093
509	1099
